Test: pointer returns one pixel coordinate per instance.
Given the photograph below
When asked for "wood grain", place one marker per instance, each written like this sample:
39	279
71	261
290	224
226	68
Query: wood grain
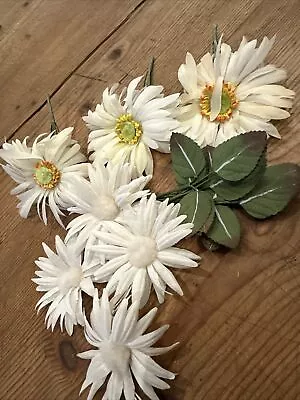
238	322
48	41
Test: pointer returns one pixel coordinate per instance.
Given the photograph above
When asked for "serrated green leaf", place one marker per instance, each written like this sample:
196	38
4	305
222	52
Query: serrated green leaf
235	190
236	158
199	209
188	160
225	229
277	187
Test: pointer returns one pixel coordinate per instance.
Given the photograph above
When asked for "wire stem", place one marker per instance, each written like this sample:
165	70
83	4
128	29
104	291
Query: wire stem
149	75
53	124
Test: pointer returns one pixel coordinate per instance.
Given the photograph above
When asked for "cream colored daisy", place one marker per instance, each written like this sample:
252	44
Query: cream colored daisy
109	191
129	125
123	351
63	276
140	251
44	172
232	93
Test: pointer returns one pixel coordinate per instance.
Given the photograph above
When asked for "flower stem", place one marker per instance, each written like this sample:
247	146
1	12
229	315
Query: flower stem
215	41
53	125
149	75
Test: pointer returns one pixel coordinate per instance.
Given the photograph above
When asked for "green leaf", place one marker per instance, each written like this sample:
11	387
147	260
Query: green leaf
235	190
236	158
199	208
188	159
225	229
277	187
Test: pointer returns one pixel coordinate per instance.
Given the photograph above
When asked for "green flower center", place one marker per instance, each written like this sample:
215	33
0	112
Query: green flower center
128	130
46	175
43	175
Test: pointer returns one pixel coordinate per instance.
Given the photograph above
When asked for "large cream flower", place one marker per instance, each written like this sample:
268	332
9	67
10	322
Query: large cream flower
44	172
130	124
231	93
123	351
140	252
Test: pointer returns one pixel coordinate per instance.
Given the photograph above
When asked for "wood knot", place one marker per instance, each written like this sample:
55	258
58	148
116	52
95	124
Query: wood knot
85	107
67	354
116	53
264	228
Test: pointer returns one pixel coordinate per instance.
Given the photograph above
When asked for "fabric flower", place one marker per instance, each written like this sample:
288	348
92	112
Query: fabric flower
130	124
103	198
44	171
123	350
232	93
140	252
63	276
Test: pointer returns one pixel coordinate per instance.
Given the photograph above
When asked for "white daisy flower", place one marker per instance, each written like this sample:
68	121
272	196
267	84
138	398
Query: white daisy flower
44	171
140	252
232	93
130	124
104	198
63	276
124	351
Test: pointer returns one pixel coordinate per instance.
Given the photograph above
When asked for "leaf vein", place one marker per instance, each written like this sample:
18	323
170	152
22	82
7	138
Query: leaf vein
186	157
223	225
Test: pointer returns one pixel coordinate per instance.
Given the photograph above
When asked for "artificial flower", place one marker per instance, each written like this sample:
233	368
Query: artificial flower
232	92
44	171
140	251
130	124
63	275
123	350
104	197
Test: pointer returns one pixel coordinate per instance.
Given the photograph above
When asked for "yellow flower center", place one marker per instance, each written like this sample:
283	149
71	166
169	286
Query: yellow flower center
229	102
128	130
46	175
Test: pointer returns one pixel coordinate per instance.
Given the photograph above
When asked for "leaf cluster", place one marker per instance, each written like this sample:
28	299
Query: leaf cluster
213	181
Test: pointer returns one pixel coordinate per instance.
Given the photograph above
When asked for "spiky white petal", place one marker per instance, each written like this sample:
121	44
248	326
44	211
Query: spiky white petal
58	150
63	276
123	351
149	108
139	252
259	98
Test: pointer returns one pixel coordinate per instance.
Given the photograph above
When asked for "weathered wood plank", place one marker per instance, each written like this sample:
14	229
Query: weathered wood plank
238	322
49	41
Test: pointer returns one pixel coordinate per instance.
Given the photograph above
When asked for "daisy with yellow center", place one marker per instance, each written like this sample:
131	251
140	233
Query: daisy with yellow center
231	92
127	126
44	172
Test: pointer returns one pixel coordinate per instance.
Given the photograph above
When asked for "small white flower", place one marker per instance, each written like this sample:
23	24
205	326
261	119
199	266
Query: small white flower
63	276
123	350
139	252
110	190
130	124
44	171
232	93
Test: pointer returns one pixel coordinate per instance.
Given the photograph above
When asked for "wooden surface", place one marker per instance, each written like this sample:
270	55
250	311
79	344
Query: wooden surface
239	321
